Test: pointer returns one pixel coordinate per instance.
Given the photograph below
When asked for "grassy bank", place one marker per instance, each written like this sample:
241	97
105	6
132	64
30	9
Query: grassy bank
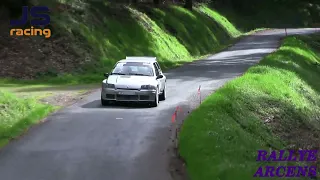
18	114
275	104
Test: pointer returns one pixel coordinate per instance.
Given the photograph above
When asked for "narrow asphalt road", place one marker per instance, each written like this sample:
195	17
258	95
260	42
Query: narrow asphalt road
88	142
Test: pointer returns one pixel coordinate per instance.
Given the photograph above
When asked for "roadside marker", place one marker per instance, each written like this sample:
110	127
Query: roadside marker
173	117
286	31
174	130
178	108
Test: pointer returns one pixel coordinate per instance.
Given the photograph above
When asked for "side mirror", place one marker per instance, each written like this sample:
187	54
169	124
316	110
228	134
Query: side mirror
106	75
160	76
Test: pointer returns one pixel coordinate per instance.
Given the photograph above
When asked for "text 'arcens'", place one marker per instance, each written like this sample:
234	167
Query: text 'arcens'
287	156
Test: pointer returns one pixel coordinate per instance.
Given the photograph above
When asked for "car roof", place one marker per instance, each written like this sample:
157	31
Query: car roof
145	59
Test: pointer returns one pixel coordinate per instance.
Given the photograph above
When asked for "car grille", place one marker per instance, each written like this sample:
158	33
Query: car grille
110	96
127	97
134	89
144	97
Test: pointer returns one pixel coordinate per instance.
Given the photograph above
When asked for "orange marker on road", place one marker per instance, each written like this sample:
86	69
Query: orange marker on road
173	117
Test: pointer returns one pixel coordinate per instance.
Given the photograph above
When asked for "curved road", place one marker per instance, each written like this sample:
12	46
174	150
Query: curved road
88	142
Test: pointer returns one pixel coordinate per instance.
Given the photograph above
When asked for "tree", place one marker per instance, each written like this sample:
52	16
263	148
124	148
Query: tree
156	2
188	4
14	7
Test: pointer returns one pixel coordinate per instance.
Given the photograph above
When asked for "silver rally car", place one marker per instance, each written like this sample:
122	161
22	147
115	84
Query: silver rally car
137	79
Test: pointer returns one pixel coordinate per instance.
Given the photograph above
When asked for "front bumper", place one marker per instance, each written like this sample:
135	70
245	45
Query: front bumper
128	95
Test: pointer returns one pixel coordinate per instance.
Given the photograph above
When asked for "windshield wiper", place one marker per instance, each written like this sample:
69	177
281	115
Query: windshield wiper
119	73
137	74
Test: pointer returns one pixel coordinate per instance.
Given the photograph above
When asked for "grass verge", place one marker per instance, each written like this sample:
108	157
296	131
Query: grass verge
275	104
17	114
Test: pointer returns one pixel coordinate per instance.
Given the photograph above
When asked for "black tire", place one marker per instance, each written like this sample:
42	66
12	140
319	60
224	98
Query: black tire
163	94
104	102
156	100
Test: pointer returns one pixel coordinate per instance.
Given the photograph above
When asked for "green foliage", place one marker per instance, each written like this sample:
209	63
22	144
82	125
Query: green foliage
273	105
250	14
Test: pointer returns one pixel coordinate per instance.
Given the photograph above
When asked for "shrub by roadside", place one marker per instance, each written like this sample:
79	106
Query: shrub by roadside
275	104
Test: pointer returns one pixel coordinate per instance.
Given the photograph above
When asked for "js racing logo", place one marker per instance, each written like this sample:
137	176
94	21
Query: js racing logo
40	18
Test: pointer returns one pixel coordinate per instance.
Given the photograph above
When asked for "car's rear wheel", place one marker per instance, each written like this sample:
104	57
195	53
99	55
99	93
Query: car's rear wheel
156	100
163	94
104	102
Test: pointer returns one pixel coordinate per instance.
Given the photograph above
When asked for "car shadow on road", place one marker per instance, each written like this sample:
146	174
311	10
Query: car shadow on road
116	105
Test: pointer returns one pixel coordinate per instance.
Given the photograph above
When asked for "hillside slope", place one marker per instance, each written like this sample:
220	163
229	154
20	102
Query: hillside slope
88	38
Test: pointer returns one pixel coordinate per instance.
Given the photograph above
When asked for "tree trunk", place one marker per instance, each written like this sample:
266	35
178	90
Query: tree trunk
188	4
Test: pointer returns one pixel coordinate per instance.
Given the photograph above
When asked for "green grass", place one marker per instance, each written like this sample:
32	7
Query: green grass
17	114
222	21
220	139
199	33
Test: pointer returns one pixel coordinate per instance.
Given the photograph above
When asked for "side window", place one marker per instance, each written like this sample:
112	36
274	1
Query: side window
156	69
117	68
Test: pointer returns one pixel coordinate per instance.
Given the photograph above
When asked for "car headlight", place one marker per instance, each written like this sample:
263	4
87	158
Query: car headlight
148	87
110	86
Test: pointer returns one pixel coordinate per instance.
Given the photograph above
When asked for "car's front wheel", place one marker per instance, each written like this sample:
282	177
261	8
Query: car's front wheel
163	94
156	100
104	102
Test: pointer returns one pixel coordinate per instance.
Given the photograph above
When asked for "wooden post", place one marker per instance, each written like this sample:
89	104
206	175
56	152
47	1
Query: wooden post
199	92
174	133
286	31
176	129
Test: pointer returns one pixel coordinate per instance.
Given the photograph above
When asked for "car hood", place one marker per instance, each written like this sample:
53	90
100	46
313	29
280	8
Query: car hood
127	81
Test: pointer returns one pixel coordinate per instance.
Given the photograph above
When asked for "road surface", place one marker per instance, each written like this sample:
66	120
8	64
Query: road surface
88	142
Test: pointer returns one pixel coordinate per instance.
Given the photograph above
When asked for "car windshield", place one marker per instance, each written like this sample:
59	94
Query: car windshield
133	68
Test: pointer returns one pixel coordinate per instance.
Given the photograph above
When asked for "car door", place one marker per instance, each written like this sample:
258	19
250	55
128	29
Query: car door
162	80
157	74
